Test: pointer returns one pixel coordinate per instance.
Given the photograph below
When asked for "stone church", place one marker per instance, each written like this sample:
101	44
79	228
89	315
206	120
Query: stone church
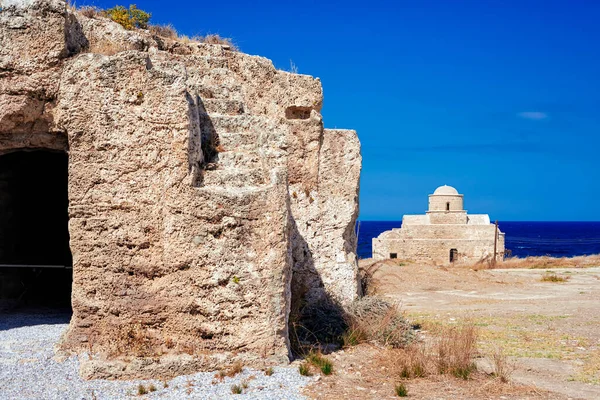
445	234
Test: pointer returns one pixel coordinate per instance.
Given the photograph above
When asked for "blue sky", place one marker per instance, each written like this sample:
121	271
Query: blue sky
500	99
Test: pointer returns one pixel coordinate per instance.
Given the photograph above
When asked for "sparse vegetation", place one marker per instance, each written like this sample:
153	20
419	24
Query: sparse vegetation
456	350
152	388
304	369
374	319
269	371
552	277
165	31
450	352
501	366
323	363
401	390
230	372
236	389
141	390
235	279
216	39
130	18
90	12
546	262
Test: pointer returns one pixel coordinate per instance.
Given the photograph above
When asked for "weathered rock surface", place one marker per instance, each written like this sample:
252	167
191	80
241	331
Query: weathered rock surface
204	193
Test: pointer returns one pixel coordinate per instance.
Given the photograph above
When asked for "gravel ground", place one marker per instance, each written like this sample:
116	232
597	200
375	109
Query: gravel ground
27	370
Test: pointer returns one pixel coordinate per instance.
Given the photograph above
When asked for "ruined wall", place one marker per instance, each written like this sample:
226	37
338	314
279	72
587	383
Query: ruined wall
200	181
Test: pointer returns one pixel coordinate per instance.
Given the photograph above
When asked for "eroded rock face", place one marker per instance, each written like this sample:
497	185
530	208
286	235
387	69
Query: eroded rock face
204	193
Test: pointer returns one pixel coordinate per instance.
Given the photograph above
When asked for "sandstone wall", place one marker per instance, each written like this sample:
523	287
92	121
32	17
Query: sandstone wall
200	181
450	217
440	202
432	243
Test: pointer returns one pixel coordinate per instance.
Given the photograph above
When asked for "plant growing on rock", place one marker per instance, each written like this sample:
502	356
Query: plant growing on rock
129	18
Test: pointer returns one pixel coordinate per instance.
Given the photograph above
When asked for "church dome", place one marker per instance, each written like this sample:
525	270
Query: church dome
445	191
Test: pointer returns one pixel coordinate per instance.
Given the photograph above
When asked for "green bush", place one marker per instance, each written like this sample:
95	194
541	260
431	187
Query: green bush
129	18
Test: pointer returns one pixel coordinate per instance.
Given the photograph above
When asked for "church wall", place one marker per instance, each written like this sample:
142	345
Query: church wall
439	202
457	217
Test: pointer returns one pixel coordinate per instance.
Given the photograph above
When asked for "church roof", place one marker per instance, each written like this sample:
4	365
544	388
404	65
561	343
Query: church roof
445	190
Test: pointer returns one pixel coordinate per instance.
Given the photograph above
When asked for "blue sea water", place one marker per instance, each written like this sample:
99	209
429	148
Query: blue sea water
556	239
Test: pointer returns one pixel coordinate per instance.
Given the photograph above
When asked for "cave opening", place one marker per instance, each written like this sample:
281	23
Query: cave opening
35	258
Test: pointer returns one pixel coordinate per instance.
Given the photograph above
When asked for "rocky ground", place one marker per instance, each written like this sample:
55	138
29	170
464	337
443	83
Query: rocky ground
29	370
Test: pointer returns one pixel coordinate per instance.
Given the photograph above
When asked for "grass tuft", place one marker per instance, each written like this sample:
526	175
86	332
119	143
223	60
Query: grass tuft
141	390
269	371
401	390
323	363
236	389
304	369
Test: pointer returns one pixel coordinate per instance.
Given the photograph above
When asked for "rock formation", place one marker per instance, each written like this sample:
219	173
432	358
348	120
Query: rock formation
205	196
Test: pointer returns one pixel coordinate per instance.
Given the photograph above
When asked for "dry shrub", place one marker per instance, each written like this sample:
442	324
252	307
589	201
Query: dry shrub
412	362
456	349
370	276
216	39
452	352
502	369
375	320
90	11
236	368
165	31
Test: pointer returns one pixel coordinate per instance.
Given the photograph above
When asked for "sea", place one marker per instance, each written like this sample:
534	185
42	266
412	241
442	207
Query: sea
555	239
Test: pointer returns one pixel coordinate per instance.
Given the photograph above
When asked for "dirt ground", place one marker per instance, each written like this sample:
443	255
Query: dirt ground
548	328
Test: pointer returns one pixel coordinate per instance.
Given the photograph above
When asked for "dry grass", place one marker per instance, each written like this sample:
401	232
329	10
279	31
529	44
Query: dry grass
546	262
216	39
451	352
502	369
456	349
165	31
236	368
554	278
90	12
371	276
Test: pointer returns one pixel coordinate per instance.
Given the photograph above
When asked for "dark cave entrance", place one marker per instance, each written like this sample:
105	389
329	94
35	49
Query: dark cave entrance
35	258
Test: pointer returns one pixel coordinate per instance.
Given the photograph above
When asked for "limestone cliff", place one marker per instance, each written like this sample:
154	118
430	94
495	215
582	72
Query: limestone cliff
201	185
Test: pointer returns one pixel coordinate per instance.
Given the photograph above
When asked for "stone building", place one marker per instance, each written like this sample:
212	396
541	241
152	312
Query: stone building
191	189
445	234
